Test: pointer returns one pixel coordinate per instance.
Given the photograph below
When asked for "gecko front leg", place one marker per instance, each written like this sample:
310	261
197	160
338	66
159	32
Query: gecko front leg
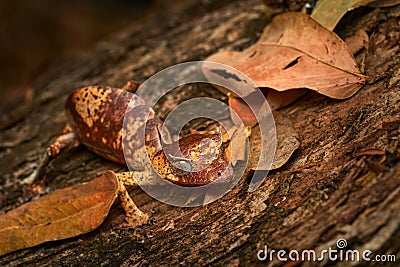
66	139
133	215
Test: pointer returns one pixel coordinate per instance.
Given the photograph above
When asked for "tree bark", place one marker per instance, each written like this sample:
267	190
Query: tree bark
327	191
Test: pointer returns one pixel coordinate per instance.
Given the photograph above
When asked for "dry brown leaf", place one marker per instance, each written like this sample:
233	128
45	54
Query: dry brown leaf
277	100
242	110
358	41
328	12
287	141
65	213
358	45
286	136
294	52
235	150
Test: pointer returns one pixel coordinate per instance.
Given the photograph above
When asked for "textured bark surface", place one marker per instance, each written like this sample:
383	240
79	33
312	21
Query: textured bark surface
321	195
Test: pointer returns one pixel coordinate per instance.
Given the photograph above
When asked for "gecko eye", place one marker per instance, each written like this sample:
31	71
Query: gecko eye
182	164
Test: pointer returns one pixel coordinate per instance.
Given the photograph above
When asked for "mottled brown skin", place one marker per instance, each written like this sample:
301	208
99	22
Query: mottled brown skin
96	121
205	154
97	115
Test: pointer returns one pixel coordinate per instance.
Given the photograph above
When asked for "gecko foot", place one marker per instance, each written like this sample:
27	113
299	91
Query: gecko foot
133	222
133	215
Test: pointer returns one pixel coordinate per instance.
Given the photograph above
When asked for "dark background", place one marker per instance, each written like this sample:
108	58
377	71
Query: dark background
38	34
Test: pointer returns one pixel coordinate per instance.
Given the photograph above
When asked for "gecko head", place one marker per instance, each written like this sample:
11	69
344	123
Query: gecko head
194	160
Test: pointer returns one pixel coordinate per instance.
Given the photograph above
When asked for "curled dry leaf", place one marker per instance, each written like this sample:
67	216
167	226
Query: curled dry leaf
294	52
235	150
277	100
358	41
287	142
243	111
358	45
286	136
65	213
